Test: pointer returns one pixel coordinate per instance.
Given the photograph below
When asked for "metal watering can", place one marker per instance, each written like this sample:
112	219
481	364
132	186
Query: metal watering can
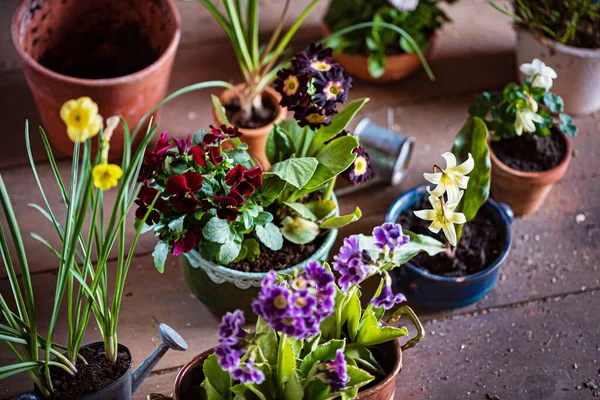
126	385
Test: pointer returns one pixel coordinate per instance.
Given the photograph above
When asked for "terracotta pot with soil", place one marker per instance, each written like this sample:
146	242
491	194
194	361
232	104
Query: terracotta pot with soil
446	282
255	125
119	53
525	168
398	65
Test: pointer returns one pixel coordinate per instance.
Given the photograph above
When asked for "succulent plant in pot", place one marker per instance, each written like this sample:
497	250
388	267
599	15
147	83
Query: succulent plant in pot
312	339
531	149
476	230
381	53
566	35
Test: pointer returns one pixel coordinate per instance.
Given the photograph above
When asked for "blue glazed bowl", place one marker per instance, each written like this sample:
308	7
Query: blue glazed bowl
435	291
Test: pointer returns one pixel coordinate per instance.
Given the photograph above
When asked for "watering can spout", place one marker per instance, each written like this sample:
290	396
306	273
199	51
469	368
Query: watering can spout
170	340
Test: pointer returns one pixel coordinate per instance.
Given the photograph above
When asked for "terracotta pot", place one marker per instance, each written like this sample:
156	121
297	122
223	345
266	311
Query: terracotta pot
125	48
256	139
578	70
525	192
397	66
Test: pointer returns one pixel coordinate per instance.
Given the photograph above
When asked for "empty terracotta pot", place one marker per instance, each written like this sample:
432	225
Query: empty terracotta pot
397	66
119	53
256	139
525	192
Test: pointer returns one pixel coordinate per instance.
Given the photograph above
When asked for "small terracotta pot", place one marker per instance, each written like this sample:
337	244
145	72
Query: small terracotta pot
55	32
525	192
397	67
256	139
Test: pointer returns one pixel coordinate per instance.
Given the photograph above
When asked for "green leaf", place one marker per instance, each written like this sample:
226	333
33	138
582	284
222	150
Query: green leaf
415	245
295	171
333	159
371	332
554	102
338	124
279	146
299	230
217	230
216	381
376	65
177	224
252	249
364	359
219	109
321	208
294	131
160	253
286	362
209	250
316	390
567	125
354	315
270	236
302	210
358	378
229	251
267	341
263	218
342	220
472	138
293	389
270	189
323	352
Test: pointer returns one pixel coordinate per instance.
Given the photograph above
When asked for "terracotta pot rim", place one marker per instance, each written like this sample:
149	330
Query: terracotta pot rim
534	175
171	48
562	48
273	96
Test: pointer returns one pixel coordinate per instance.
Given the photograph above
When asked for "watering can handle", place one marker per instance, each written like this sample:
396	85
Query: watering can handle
414	319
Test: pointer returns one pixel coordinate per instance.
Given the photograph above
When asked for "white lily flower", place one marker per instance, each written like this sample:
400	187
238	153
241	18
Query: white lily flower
404	5
443	217
525	121
541	75
453	178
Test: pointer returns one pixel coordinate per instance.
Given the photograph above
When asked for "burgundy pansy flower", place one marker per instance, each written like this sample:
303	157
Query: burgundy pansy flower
198	154
360	170
153	159
314	59
222	133
331	87
186	242
227	206
183	188
144	201
183	146
244	180
292	86
214	155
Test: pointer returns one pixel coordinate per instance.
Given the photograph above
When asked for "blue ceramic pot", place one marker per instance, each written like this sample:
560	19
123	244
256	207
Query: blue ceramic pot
442	292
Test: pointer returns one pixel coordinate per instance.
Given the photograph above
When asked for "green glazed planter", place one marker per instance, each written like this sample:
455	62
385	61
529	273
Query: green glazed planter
223	289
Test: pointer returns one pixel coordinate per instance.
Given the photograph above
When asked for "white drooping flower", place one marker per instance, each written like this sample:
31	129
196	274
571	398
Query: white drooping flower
541	75
443	217
525	121
453	178
404	5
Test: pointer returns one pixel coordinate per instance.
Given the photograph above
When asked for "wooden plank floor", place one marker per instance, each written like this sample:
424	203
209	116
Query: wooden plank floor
536	335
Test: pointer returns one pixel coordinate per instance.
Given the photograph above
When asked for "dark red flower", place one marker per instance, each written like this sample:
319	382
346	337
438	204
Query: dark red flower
314	117
144	200
214	155
163	145
154	159
227	206
315	58
253	176
222	133
186	242
360	170
198	154
183	147
183	188
234	175
244	180
292	86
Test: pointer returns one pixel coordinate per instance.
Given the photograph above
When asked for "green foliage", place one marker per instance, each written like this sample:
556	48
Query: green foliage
342	220
299	230
270	236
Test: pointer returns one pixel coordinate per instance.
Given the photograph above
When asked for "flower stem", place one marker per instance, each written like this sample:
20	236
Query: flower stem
111	347
329	190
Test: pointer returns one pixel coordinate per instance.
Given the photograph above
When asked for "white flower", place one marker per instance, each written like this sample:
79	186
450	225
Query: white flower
525	121
453	178
404	5
443	217
541	75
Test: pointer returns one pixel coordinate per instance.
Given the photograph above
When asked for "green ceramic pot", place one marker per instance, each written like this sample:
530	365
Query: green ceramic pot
224	289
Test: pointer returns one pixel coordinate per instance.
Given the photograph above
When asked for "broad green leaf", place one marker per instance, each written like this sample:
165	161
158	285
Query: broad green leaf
279	146
293	389
229	251
286	363
252	249
567	125
299	230
217	230
323	352
333	159
302	210
209	251
177	224
472	138
316	390
354	314
296	171
415	245
358	378
372	332
267	341
263	218
321	208
338	124
270	236
160	253
211	392
342	220
364	359
554	102
216	379
270	189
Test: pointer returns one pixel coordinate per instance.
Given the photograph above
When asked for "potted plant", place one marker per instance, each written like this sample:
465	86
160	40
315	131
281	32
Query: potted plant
476	230
565	35
97	370
230	221
380	54
531	150
121	57
312	339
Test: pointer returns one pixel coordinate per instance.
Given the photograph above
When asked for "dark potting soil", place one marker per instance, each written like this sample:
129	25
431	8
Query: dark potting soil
531	153
101	52
253	120
481	244
97	374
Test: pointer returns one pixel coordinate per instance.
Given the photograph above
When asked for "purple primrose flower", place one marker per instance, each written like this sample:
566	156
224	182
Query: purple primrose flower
387	299
247	373
390	235
352	263
231	329
335	372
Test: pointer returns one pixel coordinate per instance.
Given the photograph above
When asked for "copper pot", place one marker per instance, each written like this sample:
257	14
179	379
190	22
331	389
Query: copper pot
256	139
397	66
138	38
525	192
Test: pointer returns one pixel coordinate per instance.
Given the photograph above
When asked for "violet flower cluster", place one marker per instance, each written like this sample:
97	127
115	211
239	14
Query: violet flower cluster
298	306
334	372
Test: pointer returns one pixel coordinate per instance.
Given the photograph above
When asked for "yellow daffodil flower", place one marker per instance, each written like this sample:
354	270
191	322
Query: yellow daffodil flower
82	119
451	179
443	217
106	176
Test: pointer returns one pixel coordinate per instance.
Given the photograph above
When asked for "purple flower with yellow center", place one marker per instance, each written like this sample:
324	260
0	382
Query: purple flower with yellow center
229	357
331	87
390	235
247	373
360	170
334	372
292	86
231	328
353	264
314	117
314	59
387	299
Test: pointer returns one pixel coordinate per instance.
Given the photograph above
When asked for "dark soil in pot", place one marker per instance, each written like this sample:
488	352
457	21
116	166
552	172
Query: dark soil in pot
531	153
97	374
256	119
481	244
